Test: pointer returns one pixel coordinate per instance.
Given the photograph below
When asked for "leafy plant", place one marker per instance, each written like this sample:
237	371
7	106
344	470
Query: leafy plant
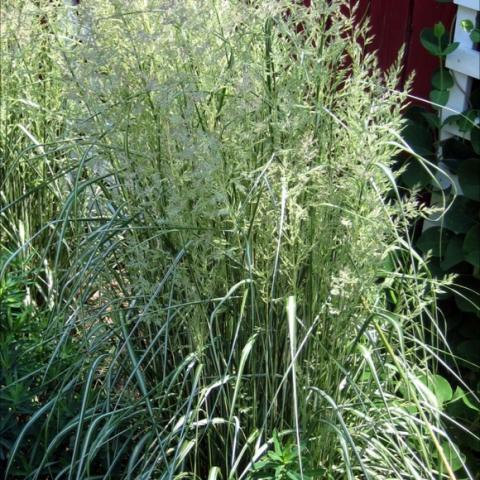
452	242
436	41
16	397
22	359
474	31
283	463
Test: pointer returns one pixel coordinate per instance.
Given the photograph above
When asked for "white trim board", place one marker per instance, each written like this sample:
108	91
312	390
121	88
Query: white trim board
473	4
464	64
466	61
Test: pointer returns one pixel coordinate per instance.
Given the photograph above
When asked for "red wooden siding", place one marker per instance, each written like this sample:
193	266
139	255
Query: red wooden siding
398	22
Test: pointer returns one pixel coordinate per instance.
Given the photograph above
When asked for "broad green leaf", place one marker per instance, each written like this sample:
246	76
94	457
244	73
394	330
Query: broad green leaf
467	294
275	457
439	30
276	443
432	119
454	456
430	42
415	113
439	97
467	25
434	240
471	246
469	178
415	174
439	387
442	389
469	404
461	215
261	464
426	391
461	395
419	138
475	35
450	48
442	79
467	121
475	139
453	253
455	149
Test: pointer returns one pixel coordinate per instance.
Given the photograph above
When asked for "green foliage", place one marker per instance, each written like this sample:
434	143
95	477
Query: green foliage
469	178
436	41
16	335
25	384
470	28
453	241
282	463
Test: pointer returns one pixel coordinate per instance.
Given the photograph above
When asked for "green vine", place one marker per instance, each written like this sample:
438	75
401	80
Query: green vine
452	244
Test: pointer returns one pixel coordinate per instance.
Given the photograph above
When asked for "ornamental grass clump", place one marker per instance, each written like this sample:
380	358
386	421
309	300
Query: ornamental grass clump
221	250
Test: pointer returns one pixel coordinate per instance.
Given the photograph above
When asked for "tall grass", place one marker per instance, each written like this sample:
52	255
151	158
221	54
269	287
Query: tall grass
204	190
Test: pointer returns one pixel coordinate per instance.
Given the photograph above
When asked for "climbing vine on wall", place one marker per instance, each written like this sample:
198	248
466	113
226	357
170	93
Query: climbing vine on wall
452	242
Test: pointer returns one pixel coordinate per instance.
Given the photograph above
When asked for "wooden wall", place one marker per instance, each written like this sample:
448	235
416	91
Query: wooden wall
397	22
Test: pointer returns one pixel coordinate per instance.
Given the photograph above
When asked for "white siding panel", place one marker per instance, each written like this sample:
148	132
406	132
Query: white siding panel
473	4
466	61
464	64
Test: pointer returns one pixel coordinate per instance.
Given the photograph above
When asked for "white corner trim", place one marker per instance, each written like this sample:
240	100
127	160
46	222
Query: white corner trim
473	4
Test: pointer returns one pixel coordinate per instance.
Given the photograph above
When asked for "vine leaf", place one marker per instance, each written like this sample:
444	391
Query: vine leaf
469	178
471	246
453	253
475	138
439	97
461	215
434	240
442	79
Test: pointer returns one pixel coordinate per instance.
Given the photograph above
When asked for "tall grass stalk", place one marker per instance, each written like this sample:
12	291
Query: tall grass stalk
179	170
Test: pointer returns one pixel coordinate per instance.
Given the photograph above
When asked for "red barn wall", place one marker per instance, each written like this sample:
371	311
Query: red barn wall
398	22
